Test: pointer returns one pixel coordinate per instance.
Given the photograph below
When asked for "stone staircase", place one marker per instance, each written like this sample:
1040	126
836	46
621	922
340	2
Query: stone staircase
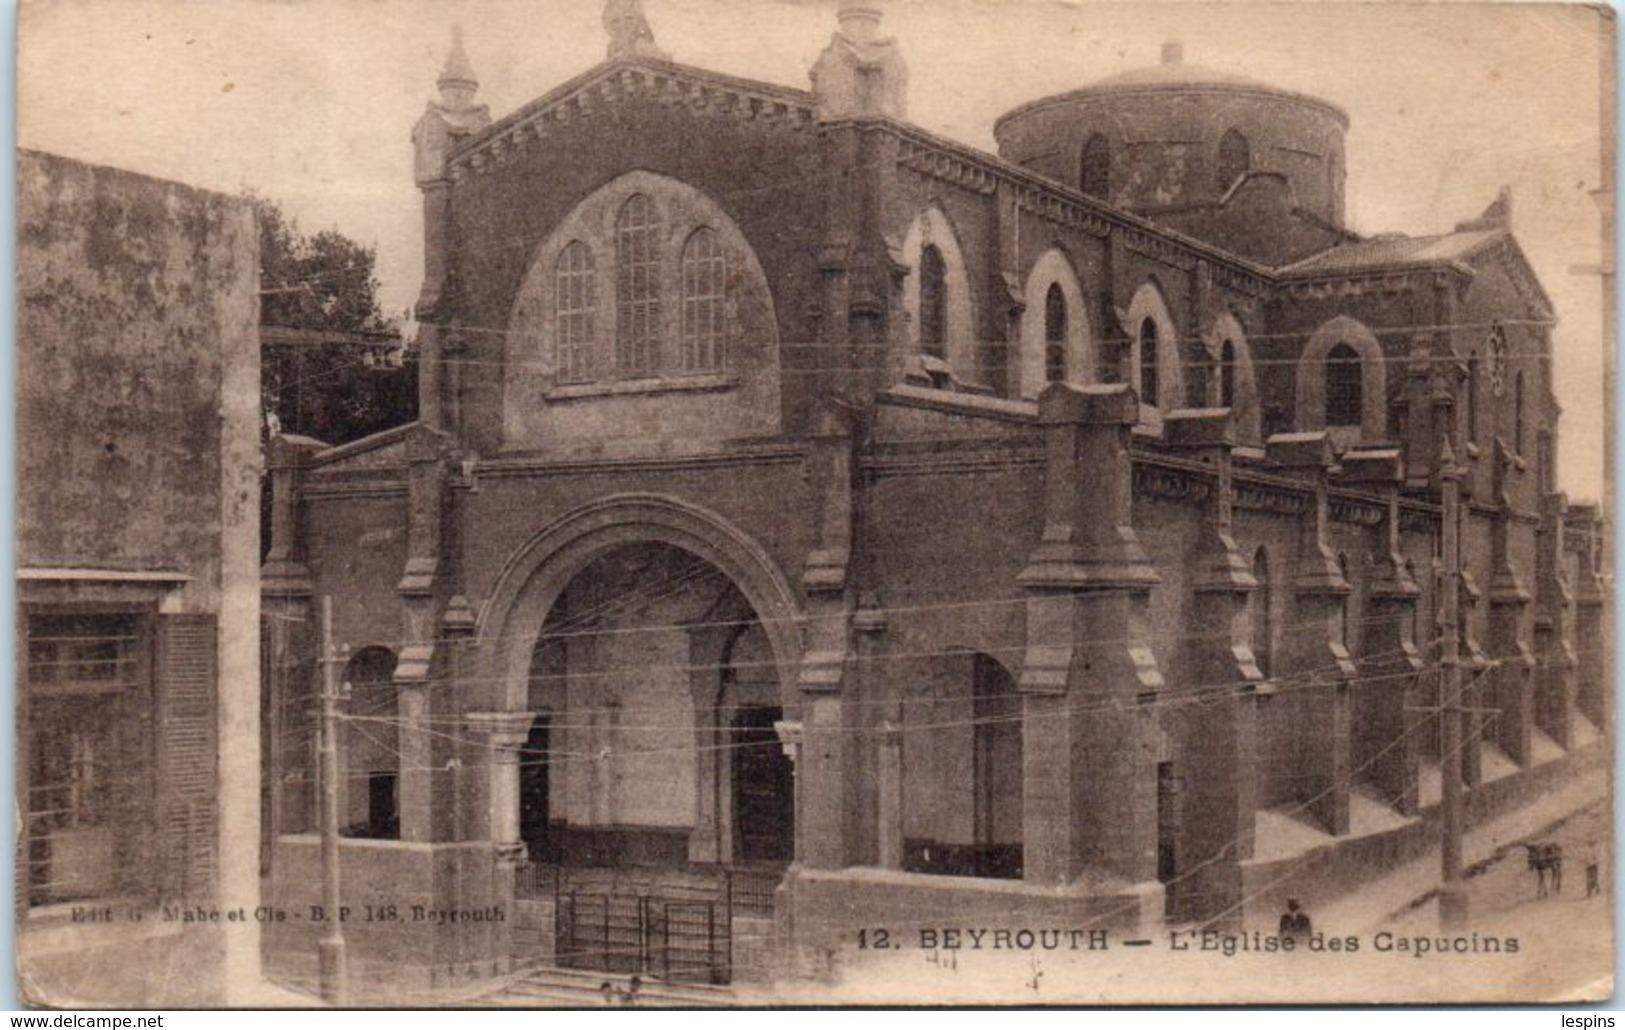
548	987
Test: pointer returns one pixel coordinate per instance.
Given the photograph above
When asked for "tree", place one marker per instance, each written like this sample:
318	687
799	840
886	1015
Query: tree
332	366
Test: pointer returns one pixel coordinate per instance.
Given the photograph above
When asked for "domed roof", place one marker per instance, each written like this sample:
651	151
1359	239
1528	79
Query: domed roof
1174	75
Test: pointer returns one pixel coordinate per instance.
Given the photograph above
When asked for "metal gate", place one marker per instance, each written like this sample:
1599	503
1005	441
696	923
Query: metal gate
654	929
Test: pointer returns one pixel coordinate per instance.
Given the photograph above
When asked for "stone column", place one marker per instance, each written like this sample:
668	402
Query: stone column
1316	654
709	843
1216	736
412	707
1089	736
1591	629
883	715
790	738
1510	686
1554	691
1475	687
505	734
1385	746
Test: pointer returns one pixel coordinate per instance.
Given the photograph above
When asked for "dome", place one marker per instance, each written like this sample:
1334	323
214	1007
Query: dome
1189	146
1174	75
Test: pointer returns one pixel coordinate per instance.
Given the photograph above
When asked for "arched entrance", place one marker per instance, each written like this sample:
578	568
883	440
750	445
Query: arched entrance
652	648
654	744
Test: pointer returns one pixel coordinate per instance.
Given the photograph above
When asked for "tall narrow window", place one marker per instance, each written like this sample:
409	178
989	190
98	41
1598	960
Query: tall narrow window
1235	158
933	302
1227	375
1263	630
576	303
1148	362
1472	396
1096	179
704	303
1517	413
637	289
1054	335
1344	389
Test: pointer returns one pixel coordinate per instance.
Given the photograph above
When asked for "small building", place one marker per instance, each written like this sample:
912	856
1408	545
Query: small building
813	522
138	604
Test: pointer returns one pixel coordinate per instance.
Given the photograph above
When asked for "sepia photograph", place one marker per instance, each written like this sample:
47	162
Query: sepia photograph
780	503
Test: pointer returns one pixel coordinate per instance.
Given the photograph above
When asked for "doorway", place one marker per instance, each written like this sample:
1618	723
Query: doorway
763	788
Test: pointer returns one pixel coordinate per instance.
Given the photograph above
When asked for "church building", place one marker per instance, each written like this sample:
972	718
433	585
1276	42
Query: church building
815	523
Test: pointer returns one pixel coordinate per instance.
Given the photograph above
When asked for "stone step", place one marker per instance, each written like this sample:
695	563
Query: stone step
583	988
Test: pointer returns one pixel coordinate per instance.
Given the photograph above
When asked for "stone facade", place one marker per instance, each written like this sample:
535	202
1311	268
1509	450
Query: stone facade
138	434
1076	552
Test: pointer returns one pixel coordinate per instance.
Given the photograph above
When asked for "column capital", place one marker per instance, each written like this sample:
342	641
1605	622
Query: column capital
791	734
508	730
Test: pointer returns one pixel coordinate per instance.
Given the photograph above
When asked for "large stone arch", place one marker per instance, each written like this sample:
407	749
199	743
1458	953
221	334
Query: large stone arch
533	578
1311	386
933	227
1054	268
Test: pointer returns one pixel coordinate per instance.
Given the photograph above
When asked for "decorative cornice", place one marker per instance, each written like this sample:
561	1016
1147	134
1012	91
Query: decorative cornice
1262	493
1355	509
936	163
1349	286
890	463
352	489
1170	482
520	466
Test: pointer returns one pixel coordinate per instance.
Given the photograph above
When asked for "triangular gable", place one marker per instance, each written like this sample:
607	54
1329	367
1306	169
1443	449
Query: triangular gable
1506	252
603	83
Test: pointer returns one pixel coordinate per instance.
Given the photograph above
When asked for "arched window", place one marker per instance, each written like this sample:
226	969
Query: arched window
576	297
1096	179
1517	413
1345	397
933	302
1235	158
1227	375
1263	629
1054	335
637	288
705	277
1148	362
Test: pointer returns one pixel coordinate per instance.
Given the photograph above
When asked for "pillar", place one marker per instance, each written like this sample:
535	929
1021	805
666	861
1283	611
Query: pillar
790	738
1317	659
1554	683
1216	737
1591	628
1510	686
505	734
1385	748
1090	676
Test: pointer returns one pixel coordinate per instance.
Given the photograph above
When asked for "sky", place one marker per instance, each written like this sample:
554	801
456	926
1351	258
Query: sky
312	102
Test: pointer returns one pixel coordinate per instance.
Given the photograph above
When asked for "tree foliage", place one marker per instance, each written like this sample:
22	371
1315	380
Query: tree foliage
335	388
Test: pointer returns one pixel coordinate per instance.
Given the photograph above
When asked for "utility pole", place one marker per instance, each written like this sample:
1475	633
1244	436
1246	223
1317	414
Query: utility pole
331	959
1452	892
